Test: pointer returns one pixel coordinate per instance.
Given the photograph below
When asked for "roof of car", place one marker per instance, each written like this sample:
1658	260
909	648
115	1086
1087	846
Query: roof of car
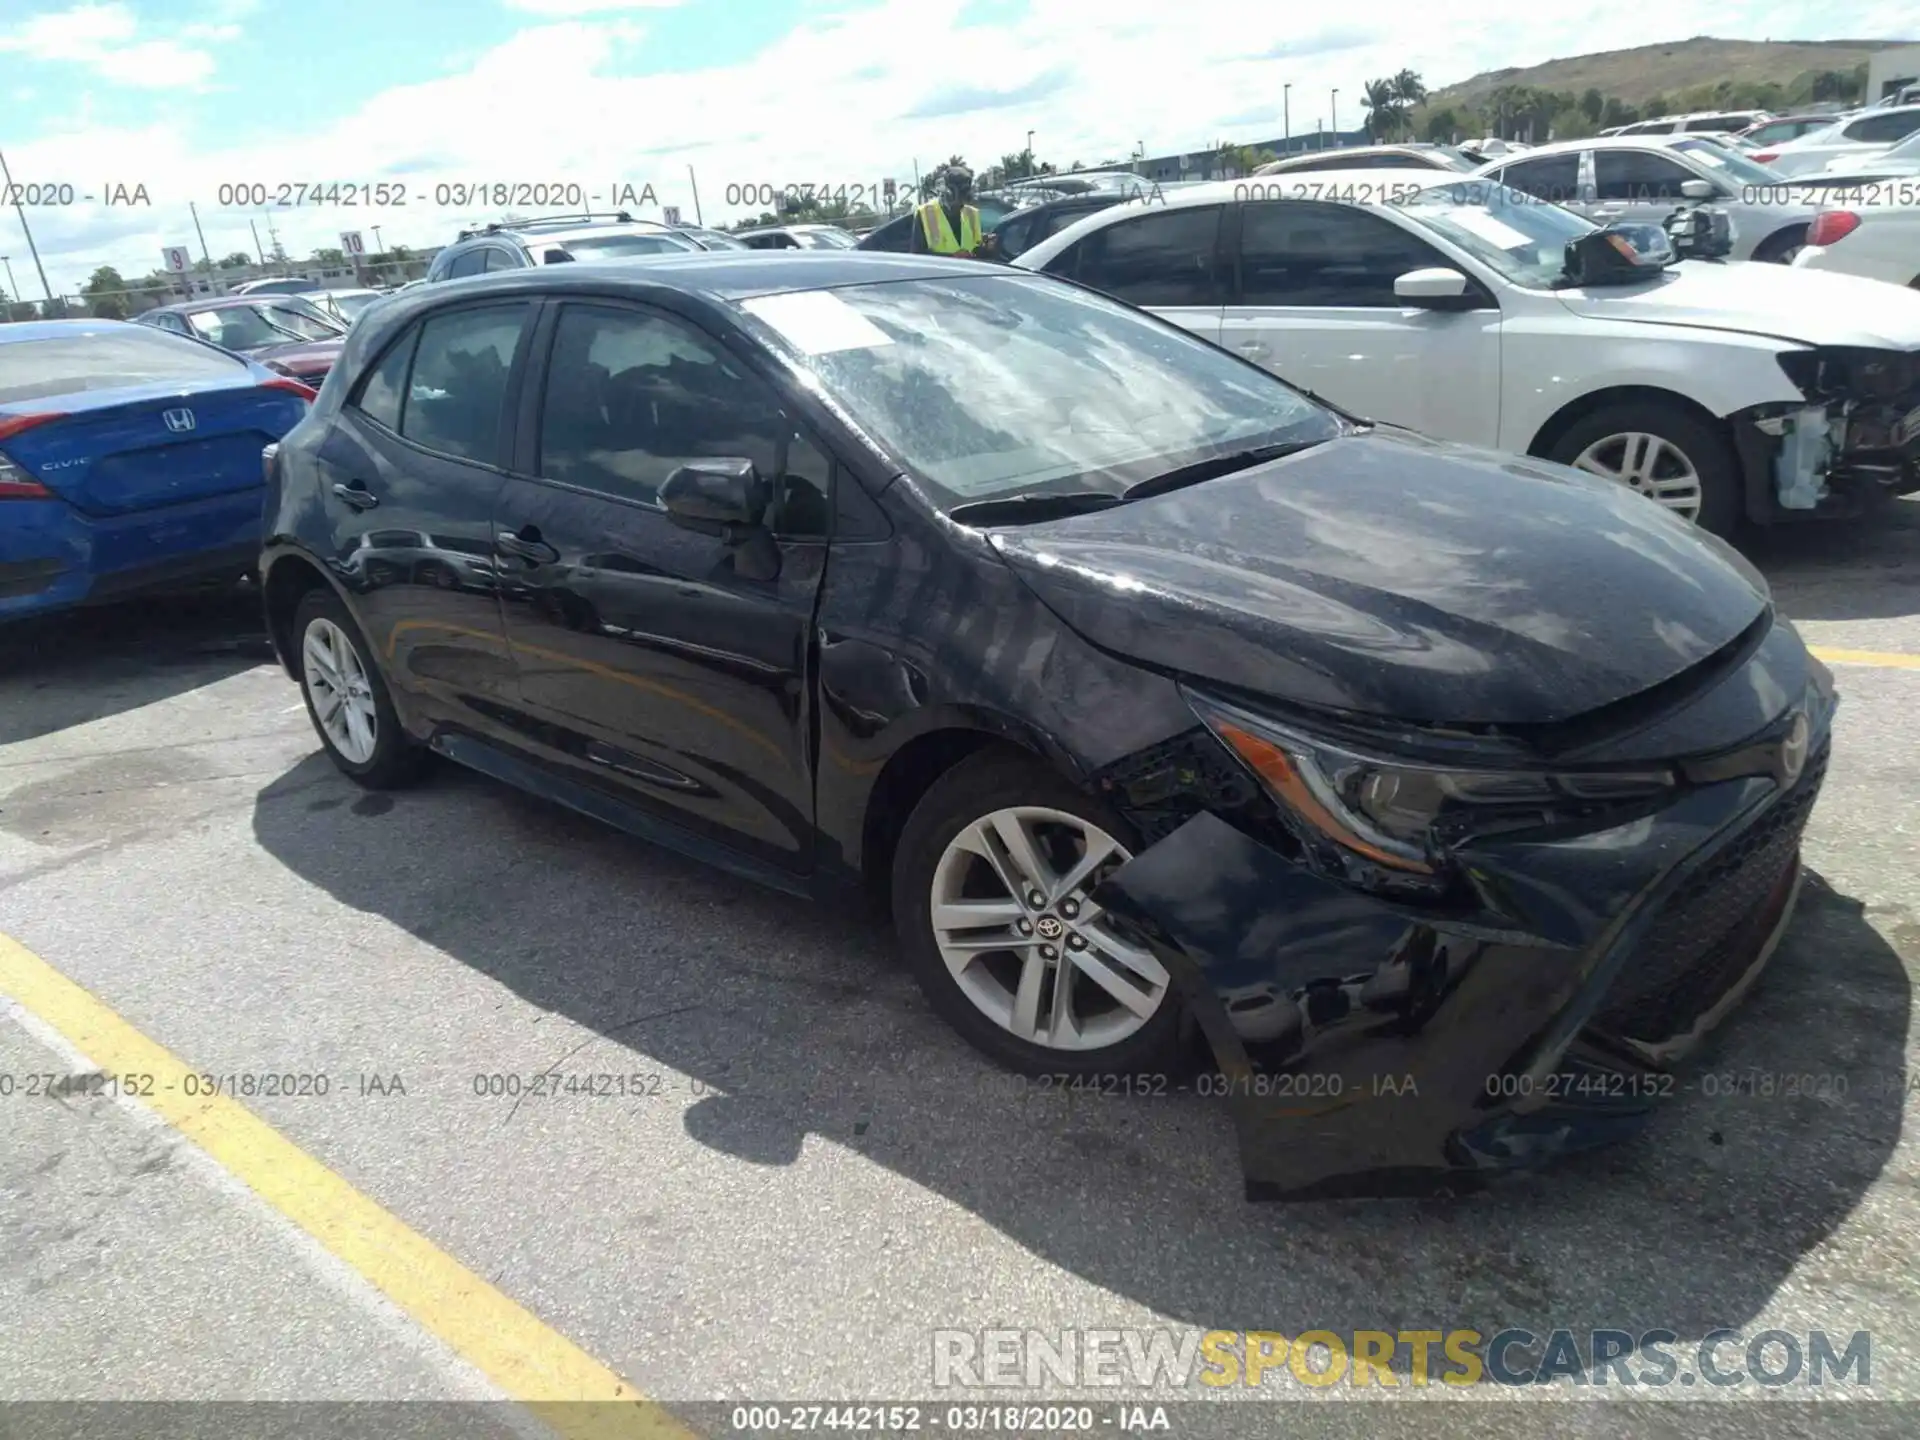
54	329
222	302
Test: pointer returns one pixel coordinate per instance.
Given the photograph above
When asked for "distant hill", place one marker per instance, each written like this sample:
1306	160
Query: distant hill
1636	75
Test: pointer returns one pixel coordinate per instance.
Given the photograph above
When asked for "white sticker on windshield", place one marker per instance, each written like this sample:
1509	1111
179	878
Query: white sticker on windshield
818	321
1489	228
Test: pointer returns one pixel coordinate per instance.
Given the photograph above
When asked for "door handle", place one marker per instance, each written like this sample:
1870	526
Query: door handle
357	495
527	544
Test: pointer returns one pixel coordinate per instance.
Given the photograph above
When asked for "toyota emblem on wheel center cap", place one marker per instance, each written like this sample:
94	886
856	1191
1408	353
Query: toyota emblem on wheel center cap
1049	927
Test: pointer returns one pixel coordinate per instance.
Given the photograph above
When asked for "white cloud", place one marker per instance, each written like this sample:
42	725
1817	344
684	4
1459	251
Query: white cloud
104	39
845	99
587	7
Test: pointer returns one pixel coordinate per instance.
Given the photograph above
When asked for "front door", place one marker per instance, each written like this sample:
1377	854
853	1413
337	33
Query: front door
1313	302
1636	187
1164	258
666	666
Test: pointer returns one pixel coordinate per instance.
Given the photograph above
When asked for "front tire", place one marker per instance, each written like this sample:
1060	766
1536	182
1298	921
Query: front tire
1663	453
347	696
990	895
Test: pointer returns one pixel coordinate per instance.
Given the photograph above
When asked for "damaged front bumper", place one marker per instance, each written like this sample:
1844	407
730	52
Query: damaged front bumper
1853	442
1370	1045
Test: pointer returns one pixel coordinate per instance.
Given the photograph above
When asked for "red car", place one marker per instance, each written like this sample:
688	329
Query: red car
286	333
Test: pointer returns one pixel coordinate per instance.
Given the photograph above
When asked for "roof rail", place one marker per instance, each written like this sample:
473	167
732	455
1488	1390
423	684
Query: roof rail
535	222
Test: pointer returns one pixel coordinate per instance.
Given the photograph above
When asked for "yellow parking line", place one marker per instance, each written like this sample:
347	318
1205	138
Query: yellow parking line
1885	659
533	1364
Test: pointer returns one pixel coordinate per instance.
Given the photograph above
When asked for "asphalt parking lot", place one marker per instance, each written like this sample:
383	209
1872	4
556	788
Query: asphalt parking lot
801	1175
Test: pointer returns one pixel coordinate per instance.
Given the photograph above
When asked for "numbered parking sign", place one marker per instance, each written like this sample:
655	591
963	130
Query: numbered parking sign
672	212
351	243
176	258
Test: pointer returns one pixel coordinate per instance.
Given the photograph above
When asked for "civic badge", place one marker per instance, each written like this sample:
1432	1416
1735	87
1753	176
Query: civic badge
178	421
1793	749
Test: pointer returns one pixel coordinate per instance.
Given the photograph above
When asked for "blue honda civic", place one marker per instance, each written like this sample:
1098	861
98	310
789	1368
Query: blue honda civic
129	459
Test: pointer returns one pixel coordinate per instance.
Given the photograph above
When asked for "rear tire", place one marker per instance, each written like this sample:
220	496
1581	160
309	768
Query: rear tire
1691	469
1033	1003
1780	249
347	696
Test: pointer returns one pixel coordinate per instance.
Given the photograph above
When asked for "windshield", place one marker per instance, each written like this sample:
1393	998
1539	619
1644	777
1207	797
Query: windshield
614	247
824	239
1523	238
351	305
1730	162
1003	384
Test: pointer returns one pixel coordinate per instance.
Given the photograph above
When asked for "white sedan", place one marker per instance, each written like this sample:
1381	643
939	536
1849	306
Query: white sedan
1870	229
1851	137
1726	392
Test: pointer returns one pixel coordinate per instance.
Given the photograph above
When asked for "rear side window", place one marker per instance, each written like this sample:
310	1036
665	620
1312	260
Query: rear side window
1885	128
1167	257
383	393
1553	178
1293	253
108	360
457	392
471	263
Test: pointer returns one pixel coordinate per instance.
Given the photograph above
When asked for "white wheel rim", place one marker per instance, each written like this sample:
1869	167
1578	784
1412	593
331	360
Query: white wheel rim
1024	942
338	689
1655	467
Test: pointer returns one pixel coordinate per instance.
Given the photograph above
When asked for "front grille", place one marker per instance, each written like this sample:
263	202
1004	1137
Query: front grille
1707	935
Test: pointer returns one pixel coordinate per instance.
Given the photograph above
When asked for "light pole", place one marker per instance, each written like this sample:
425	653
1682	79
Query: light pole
1286	118
12	293
1333	110
1029	152
32	249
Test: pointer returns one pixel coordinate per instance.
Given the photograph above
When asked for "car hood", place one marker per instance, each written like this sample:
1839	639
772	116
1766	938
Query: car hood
300	354
1392	575
1809	306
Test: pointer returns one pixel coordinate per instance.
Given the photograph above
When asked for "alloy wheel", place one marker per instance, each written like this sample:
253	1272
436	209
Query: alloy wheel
1024	942
342	697
1653	466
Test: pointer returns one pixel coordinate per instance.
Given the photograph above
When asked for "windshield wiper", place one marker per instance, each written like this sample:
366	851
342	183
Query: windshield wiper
1024	509
1214	466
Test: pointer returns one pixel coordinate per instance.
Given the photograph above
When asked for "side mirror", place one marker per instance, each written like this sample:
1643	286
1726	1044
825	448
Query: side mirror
1618	250
1698	189
715	497
1436	288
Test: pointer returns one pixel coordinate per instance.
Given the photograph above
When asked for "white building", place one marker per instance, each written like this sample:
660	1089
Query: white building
1888	70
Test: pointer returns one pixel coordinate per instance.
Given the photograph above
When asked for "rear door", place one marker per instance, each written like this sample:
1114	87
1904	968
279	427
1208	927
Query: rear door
147	421
667	667
1313	302
409	473
1166	259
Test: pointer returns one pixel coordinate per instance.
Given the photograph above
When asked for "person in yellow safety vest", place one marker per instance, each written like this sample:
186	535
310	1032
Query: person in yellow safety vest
950	223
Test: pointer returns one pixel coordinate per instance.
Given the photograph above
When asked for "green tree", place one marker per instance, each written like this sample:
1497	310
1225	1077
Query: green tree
21	310
1377	98
1617	112
329	255
1593	104
236	259
1656	106
106	294
1441	126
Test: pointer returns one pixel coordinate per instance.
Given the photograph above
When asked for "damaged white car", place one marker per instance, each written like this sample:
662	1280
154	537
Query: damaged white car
1729	392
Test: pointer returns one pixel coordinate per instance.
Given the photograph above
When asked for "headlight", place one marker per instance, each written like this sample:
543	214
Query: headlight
1389	810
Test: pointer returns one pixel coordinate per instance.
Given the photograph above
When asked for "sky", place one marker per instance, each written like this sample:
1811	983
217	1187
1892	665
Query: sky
175	99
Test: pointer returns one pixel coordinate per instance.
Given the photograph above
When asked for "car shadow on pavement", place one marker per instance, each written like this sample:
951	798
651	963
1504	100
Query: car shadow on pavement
67	668
806	1027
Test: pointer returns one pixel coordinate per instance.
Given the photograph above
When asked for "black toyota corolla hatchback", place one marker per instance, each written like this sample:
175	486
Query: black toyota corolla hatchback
1450	795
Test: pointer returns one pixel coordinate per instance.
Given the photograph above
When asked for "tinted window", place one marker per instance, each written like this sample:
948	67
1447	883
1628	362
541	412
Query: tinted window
1885	128
630	397
1014	234
458	390
128	355
471	263
1304	254
384	391
897	234
1554	178
610	247
1168	257
1637	175
501	258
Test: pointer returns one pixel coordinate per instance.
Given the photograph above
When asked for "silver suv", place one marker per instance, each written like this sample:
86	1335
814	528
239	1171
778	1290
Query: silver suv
553	239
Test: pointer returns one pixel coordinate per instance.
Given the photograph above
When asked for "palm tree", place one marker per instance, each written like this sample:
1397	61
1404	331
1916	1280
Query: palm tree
1377	99
1409	89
